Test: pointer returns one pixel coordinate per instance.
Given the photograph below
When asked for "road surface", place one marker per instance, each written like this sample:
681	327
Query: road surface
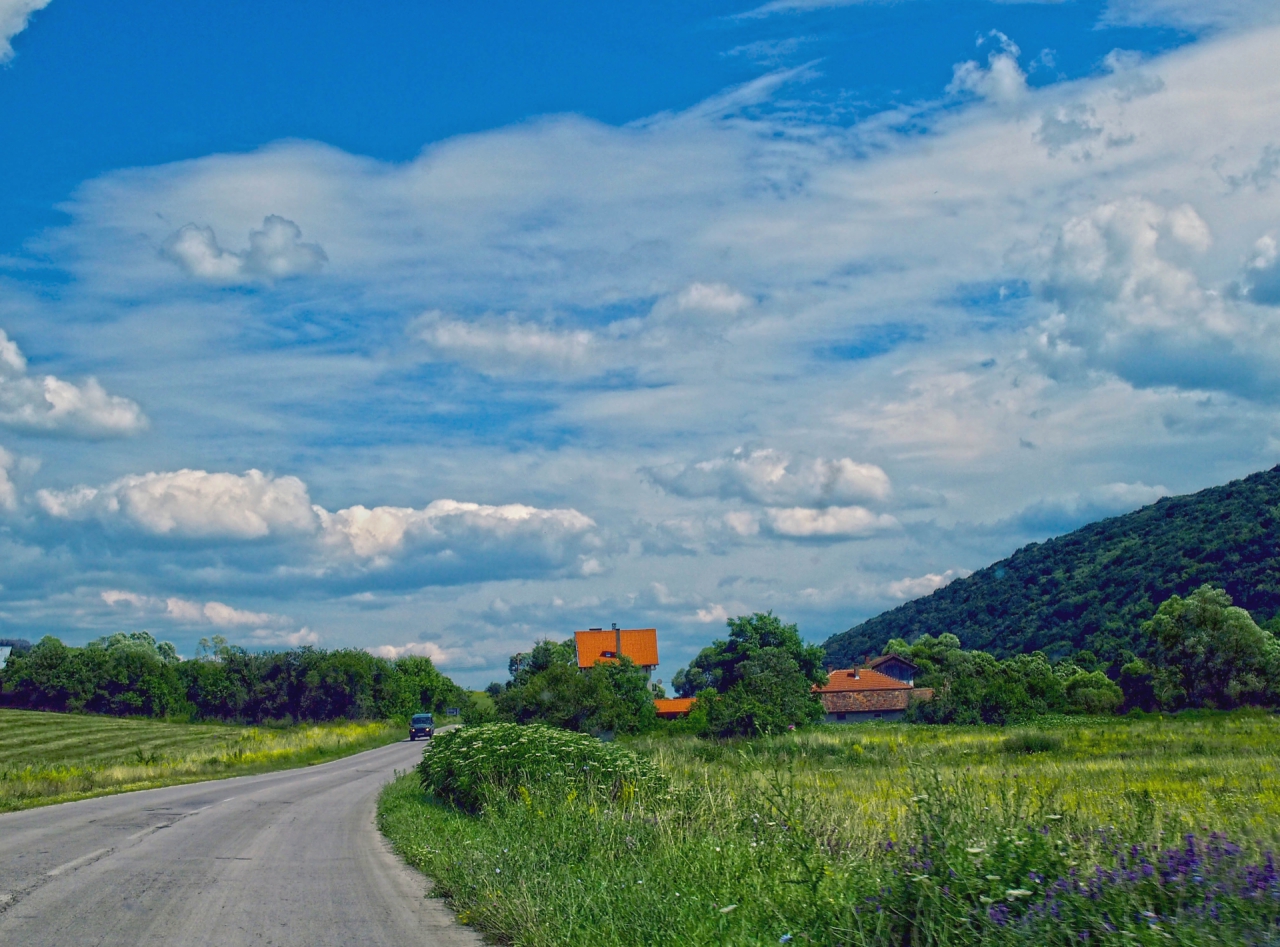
289	859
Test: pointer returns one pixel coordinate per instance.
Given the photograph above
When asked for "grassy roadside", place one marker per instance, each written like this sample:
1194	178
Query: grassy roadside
1150	831
47	758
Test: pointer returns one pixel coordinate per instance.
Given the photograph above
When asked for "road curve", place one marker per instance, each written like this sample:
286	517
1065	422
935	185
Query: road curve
289	859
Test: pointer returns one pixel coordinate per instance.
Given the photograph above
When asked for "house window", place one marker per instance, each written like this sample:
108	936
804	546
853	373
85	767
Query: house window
840	716
878	716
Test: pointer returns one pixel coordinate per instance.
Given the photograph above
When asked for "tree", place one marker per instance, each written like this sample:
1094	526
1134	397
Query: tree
1211	653
760	680
549	688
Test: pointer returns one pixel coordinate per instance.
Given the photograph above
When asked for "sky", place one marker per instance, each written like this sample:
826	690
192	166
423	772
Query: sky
443	328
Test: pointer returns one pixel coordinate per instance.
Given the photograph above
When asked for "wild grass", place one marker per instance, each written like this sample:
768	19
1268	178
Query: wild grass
1129	831
47	758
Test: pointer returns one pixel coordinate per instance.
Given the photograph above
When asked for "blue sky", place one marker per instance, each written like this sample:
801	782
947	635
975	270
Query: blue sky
443	328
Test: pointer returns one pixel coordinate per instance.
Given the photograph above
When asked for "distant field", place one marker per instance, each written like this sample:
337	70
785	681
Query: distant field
1146	830
47	758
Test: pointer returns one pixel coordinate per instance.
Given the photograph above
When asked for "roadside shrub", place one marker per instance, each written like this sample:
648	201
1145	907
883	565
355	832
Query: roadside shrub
464	766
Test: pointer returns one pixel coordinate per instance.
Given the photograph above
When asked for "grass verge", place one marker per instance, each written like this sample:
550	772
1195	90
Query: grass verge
48	758
1148	831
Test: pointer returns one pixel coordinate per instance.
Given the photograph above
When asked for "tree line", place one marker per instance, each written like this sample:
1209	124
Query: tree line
133	674
1201	652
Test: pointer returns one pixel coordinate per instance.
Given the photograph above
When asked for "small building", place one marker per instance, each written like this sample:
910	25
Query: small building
605	644
669	708
852	695
896	666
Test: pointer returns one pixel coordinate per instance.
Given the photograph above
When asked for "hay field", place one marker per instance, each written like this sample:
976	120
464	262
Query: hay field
46	757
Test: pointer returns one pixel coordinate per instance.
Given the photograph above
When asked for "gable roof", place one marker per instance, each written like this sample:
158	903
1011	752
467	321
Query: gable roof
857	680
672	706
886	658
638	644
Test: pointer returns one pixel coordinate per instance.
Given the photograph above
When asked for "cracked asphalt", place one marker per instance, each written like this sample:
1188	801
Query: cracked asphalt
289	859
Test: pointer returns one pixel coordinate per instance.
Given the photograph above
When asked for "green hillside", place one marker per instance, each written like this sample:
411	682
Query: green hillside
1092	588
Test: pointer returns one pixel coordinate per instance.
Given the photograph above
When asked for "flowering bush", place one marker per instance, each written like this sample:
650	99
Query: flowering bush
463	766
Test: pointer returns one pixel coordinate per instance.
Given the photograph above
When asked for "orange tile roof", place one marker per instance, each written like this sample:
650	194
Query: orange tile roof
638	644
860	679
672	706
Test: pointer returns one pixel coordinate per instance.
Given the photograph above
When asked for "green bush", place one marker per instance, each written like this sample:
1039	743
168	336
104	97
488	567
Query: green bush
465	766
1032	743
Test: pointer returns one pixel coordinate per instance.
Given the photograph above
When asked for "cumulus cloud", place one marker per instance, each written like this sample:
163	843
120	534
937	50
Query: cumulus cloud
277	251
1129	300
833	522
192	503
1112	257
14	16
712	614
714	298
1002	81
442	541
420	649
46	403
770	477
1059	514
452	528
8	492
1261	280
186	612
505	346
910	588
268	637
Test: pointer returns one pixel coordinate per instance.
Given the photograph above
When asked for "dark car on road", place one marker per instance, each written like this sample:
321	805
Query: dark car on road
422	725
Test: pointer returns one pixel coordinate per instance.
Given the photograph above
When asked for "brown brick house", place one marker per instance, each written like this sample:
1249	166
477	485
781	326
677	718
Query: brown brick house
855	694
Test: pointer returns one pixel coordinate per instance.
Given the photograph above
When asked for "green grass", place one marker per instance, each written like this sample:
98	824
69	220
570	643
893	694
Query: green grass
47	758
811	835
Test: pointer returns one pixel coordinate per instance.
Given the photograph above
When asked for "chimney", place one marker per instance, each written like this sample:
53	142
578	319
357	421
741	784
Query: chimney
617	637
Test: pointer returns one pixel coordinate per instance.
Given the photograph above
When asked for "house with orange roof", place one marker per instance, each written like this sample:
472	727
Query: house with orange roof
669	708
606	644
857	694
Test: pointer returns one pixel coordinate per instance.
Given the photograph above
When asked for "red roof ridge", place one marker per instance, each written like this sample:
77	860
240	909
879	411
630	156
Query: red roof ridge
848	680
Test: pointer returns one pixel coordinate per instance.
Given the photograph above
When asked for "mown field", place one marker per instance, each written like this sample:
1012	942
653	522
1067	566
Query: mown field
1100	831
46	757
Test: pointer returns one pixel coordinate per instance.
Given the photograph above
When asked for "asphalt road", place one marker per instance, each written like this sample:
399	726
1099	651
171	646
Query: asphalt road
289	859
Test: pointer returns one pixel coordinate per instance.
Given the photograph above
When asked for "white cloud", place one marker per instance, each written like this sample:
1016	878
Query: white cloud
771	477
8	492
186	612
14	16
1191	14
505	346
49	404
910	588
192	503
277	251
842	522
421	649
288	639
444	524
712	614
1002	81
714	298
1112	257
1261	280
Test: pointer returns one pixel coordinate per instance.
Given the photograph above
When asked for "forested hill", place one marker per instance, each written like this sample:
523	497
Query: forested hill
1094	587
